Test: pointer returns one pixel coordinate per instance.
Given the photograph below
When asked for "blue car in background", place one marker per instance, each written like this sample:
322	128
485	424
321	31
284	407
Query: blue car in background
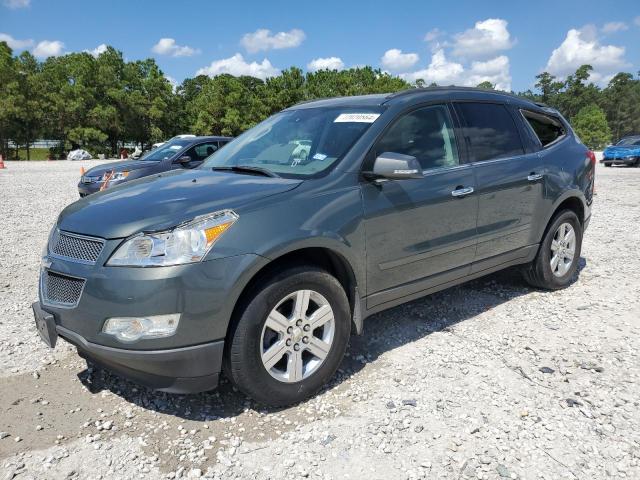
625	152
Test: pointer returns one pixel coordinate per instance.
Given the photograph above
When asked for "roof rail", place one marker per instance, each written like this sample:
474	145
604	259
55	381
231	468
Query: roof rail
415	90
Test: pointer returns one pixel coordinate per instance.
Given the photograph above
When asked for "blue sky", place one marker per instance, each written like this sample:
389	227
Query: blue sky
463	42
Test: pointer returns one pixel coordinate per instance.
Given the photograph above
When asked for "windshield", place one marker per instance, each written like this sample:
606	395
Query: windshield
297	143
629	141
165	151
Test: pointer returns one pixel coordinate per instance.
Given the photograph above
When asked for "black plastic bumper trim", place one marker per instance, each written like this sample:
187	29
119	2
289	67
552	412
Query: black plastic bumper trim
179	370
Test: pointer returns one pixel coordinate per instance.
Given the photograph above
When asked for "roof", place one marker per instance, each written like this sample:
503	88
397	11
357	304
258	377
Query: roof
417	94
207	137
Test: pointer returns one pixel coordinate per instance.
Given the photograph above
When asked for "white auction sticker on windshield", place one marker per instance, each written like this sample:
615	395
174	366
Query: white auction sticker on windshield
356	117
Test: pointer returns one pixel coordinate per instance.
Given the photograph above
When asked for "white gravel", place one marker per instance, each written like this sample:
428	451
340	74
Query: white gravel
487	380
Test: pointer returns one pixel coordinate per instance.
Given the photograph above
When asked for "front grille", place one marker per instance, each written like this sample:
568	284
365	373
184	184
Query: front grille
76	247
60	289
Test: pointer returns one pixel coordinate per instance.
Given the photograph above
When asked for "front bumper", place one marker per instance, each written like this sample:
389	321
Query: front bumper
179	370
85	189
621	160
203	293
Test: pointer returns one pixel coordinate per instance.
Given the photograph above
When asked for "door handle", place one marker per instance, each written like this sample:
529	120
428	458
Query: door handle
462	192
534	177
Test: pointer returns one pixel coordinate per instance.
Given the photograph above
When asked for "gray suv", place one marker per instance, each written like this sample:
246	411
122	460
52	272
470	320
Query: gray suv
264	260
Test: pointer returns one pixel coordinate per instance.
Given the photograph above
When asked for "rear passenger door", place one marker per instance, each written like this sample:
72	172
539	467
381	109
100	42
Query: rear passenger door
509	181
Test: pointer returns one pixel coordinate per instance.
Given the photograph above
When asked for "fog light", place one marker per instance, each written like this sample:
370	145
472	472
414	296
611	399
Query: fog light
132	329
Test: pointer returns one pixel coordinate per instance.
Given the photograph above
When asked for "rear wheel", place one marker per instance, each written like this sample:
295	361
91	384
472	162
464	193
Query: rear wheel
607	164
290	337
558	255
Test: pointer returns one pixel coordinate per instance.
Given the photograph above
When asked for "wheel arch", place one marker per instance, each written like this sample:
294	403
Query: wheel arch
329	259
572	200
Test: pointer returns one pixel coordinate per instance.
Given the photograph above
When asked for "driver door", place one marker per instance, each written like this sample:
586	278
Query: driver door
419	232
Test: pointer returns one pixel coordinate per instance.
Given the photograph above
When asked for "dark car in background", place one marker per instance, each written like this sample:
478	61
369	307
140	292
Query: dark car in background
264	260
178	153
624	152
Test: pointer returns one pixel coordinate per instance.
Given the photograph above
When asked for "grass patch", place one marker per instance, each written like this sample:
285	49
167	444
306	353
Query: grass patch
35	153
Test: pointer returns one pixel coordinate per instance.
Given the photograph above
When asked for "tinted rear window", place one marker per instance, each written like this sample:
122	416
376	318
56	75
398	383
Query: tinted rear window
546	128
491	131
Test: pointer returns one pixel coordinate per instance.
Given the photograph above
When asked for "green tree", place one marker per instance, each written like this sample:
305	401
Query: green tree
26	92
549	87
590	123
621	103
8	91
487	85
227	107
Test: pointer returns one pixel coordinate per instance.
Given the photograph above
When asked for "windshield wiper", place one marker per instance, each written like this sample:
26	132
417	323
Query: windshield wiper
247	169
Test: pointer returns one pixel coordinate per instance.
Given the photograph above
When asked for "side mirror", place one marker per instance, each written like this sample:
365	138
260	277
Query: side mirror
184	160
396	166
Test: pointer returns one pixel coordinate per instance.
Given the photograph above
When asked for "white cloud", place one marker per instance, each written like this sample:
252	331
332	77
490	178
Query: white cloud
582	47
237	66
14	43
612	27
262	39
17	3
48	48
637	21
432	34
327	63
496	71
394	59
168	46
98	50
485	40
440	71
445	72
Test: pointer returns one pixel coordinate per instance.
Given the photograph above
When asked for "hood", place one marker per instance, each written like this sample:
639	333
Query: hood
119	167
618	151
158	202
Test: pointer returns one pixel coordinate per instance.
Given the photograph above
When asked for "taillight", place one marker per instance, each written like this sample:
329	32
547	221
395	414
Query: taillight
592	156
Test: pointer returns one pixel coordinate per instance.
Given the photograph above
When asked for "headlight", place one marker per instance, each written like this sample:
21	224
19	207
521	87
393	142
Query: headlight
117	176
132	329
186	243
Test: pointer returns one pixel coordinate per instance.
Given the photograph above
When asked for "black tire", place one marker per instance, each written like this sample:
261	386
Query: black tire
607	164
243	363
538	273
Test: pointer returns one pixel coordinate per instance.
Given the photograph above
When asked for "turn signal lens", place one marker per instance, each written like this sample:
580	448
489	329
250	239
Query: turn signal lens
214	232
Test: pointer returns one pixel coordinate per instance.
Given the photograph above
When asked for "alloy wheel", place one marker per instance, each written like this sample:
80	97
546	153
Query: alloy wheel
563	249
297	336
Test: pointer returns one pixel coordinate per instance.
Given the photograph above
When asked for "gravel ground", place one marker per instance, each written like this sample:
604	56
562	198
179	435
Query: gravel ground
490	379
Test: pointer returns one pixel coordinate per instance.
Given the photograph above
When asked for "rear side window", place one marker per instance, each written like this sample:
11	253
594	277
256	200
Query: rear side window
490	131
426	134
547	129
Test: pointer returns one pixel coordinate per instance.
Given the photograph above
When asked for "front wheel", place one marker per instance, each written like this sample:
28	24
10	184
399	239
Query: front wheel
290	336
607	164
558	255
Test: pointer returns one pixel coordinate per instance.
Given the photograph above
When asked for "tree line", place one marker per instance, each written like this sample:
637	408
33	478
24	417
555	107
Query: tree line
99	103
